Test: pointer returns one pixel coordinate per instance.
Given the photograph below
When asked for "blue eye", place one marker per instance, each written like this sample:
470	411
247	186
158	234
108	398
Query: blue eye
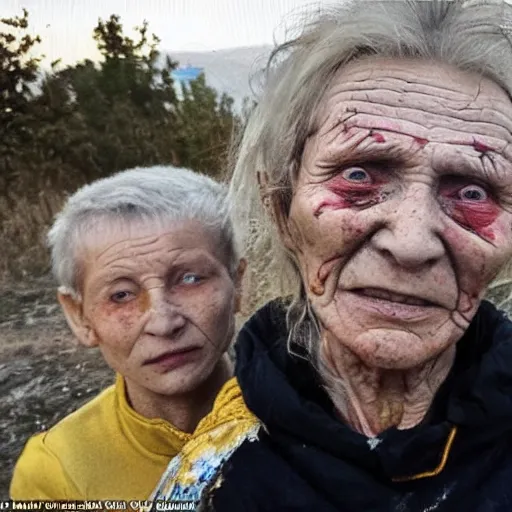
473	193
356	174
190	278
121	297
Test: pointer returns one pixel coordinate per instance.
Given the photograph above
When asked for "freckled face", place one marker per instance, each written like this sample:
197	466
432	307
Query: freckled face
401	211
160	303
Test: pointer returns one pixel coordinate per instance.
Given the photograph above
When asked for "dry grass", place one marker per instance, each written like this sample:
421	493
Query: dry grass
23	226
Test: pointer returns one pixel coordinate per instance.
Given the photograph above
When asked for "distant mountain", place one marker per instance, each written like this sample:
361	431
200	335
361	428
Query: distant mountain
229	70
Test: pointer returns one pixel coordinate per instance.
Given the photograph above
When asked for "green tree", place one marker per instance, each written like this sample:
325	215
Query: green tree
18	77
18	68
129	100
91	119
206	124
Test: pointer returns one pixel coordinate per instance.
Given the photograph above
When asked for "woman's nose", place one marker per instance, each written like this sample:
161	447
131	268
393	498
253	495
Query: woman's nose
411	232
166	318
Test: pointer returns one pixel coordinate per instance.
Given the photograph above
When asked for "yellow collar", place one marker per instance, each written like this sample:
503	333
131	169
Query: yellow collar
153	436
215	439
229	408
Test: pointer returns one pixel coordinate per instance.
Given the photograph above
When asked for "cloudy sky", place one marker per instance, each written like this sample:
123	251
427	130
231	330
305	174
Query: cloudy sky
65	26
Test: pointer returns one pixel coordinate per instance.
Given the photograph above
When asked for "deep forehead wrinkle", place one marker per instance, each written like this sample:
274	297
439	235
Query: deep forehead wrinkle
125	266
396	125
394	84
467	103
433	108
177	253
449	133
426	113
397	71
135	243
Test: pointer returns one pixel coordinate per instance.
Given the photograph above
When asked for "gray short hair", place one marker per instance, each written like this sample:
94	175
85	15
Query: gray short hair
470	35
156	194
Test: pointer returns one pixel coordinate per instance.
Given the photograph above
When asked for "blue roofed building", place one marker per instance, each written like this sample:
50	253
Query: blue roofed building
182	77
186	74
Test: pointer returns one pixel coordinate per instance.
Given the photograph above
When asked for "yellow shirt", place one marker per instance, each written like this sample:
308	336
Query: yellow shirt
106	451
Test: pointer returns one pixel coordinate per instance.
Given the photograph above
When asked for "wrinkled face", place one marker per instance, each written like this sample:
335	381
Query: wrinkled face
401	213
159	303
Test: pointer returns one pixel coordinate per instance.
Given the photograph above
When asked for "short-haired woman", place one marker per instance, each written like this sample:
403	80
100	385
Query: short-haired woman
148	272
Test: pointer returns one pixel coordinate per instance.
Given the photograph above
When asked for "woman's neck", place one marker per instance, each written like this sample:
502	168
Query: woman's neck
183	411
372	400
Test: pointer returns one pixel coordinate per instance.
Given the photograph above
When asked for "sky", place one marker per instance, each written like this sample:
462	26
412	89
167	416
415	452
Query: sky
65	26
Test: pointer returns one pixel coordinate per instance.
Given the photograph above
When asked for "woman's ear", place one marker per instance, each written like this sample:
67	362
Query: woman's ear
239	277
73	311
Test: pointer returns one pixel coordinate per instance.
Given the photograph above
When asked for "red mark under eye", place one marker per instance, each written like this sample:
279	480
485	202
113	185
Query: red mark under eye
354	187
473	208
378	137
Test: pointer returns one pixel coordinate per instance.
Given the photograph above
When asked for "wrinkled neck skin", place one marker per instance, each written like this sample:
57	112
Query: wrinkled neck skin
183	411
370	399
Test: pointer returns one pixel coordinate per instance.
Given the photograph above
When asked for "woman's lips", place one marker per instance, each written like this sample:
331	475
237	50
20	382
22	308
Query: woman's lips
379	293
388	304
174	359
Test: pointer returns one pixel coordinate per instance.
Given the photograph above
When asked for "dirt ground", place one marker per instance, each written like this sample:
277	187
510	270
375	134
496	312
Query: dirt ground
44	374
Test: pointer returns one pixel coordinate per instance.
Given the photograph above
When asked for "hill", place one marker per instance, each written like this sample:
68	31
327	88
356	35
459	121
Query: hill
229	70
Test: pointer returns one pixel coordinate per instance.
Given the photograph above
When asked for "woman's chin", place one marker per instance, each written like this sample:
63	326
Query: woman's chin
178	382
388	347
394	349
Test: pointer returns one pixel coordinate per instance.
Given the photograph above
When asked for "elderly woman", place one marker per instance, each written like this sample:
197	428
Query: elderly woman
382	148
149	273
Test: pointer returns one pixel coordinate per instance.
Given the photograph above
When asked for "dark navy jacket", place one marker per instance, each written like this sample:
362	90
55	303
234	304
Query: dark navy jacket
306	459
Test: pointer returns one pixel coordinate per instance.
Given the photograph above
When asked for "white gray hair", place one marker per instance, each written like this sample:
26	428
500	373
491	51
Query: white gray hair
471	35
156	194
